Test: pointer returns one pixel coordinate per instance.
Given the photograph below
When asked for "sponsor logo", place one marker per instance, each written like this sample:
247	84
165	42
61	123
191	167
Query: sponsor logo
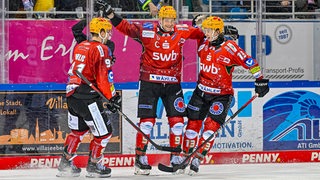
166	45
291	121
44	162
283	34
154	77
208	68
148	34
164	56
147	25
261	158
315	156
209	89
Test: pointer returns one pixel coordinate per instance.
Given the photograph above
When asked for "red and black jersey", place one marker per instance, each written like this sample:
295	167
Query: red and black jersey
93	60
161	59
217	65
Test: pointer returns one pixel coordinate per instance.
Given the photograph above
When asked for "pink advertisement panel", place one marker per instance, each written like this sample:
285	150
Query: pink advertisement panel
41	51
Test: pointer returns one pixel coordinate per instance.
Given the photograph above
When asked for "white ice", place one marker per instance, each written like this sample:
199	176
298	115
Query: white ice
281	171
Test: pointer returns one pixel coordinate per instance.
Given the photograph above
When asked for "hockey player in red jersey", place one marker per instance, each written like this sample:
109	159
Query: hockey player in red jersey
211	99
85	108
160	76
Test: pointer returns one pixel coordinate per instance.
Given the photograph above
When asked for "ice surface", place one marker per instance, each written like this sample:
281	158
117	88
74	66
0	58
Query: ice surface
284	171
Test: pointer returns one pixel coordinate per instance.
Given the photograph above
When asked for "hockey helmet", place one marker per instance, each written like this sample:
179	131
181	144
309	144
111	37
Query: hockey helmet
167	12
98	24
213	22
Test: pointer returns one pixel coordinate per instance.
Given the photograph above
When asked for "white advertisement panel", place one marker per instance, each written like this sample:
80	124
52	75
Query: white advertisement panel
290	49
285	119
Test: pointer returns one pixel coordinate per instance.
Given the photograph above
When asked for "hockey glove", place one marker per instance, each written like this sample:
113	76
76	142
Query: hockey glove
231	32
261	86
113	59
197	20
100	5
114	103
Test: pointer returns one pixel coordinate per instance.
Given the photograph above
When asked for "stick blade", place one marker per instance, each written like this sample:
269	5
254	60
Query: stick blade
165	168
169	169
170	149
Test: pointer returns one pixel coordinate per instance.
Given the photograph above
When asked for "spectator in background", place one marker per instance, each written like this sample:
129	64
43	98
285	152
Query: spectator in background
278	7
194	5
306	6
43	5
152	6
69	5
16	5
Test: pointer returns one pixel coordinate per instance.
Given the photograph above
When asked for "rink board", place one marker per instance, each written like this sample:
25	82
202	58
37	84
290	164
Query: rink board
281	127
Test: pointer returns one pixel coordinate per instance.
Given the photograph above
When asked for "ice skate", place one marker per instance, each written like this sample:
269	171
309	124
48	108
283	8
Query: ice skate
66	168
194	166
176	160
141	165
97	170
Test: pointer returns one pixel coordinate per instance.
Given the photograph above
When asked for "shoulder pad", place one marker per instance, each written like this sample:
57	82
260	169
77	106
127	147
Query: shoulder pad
148	25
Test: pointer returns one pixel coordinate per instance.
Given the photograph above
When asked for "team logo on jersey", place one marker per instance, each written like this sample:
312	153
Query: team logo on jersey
216	108
249	62
110	76
148	34
179	105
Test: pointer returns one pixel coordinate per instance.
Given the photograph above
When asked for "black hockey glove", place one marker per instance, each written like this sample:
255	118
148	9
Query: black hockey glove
102	5
261	87
113	60
114	103
231	32
197	20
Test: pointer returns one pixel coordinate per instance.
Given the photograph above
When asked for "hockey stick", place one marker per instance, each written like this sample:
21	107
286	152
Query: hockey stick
162	148
184	163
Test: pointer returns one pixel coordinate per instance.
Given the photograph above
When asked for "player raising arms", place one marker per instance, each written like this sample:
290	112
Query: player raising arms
160	76
85	108
211	99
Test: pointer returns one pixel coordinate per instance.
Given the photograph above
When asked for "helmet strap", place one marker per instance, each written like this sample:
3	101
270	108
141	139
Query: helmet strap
103	38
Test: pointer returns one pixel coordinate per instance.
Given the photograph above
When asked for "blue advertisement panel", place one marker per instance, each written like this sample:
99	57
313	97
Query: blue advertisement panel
291	121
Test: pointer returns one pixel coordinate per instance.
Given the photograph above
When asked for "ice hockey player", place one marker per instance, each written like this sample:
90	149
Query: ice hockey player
85	109
210	101
160	76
